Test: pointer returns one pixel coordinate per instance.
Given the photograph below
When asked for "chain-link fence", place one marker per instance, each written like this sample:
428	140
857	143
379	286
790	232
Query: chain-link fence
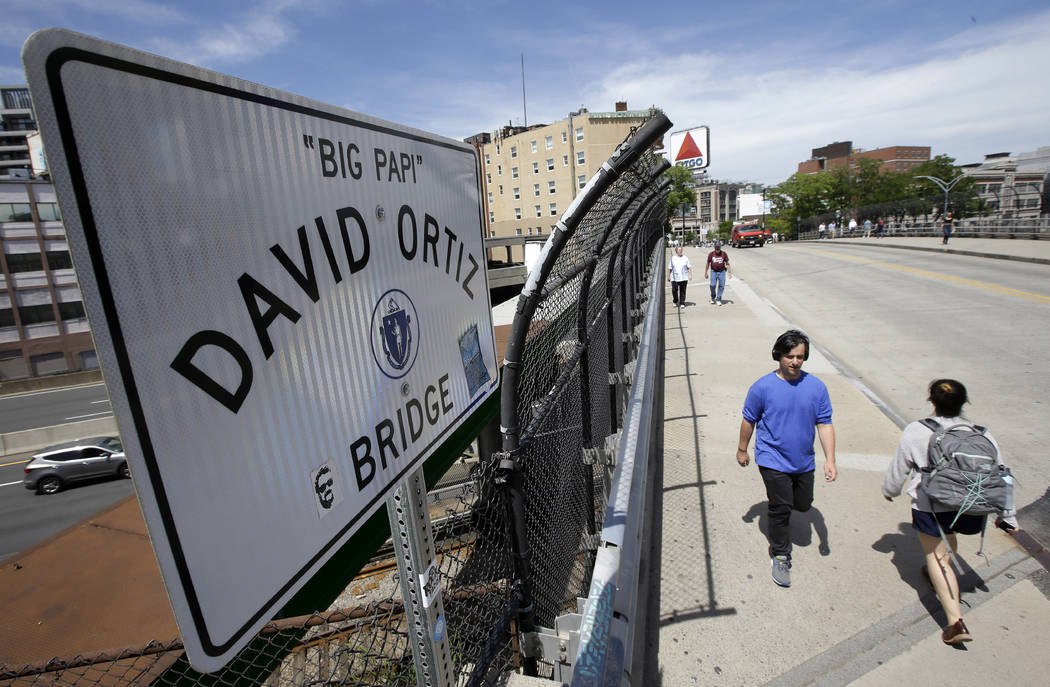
566	371
515	532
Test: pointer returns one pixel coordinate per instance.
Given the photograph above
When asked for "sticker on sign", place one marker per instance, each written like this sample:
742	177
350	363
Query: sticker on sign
290	306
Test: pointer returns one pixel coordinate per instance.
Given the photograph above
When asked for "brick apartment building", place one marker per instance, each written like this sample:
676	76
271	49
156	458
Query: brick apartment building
842	154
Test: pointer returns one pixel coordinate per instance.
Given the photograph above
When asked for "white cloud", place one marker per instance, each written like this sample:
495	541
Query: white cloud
262	32
974	93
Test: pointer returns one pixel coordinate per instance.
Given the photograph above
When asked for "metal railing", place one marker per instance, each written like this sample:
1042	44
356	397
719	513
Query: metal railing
1032	228
516	532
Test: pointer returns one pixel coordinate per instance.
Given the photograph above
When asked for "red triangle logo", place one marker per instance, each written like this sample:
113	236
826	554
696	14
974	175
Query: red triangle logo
689	149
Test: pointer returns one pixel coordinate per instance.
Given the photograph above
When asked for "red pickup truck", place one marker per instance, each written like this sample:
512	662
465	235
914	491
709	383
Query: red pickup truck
747	235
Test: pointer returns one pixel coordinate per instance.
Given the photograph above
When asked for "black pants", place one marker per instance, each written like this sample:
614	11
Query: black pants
678	292
786	491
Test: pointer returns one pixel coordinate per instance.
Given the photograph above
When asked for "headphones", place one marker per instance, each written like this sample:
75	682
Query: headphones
787	341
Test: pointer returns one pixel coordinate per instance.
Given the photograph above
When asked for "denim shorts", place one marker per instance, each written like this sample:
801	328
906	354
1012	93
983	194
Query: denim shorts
927	523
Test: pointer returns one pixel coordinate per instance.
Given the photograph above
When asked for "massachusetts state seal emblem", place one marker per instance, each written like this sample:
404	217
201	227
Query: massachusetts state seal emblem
395	333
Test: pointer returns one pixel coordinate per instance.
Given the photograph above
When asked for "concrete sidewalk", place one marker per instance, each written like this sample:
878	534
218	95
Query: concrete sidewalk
858	609
1023	250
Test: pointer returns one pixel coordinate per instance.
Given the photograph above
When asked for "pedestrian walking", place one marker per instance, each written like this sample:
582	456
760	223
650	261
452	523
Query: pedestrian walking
717	268
831	230
852	225
782	409
822	229
679	273
880	227
947	225
867	228
947	397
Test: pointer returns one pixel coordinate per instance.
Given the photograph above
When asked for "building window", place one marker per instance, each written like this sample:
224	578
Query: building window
488	177
579	157
536	190
499	170
1033	202
48	212
17	99
517	193
554	208
518	231
535	168
517	213
550	164
579	133
513	172
490	197
71	311
539	211
15	212
549	142
994	188
501	189
529	231
59	260
492	218
35	314
513	152
550	187
581	180
564	160
564	137
7	320
534	146
488	160
24	262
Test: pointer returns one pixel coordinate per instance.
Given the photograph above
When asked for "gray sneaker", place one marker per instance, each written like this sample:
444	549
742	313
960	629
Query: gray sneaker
781	570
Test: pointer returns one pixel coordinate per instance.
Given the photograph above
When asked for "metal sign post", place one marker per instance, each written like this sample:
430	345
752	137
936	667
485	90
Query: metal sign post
413	541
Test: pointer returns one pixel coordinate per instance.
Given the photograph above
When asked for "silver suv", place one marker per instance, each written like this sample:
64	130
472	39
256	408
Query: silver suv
76	461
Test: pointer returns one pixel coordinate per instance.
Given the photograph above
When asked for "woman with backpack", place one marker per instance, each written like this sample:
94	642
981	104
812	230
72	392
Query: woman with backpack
931	519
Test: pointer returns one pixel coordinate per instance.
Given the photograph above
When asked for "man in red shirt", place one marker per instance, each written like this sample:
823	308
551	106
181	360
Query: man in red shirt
717	268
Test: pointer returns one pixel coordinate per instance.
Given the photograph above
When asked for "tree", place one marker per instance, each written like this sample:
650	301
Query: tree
681	192
803	195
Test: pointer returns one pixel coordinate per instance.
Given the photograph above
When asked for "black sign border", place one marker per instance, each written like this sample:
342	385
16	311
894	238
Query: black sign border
57	59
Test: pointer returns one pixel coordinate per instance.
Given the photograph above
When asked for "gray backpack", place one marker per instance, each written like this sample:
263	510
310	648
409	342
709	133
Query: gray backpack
964	473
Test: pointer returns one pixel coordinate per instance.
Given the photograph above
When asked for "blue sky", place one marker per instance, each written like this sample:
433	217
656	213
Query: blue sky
772	79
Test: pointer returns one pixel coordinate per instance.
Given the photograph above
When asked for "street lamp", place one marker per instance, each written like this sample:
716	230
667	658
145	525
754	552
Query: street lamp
946	186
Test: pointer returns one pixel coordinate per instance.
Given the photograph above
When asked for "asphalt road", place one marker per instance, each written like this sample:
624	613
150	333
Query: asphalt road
26	518
897	319
53	407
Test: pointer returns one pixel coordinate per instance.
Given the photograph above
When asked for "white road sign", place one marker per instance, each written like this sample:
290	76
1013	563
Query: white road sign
690	148
289	302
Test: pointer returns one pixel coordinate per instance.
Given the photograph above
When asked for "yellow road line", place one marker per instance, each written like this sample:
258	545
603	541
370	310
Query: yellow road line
17	462
995	288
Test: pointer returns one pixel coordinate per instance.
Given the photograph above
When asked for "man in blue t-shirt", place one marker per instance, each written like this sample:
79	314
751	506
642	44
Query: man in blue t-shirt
786	405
